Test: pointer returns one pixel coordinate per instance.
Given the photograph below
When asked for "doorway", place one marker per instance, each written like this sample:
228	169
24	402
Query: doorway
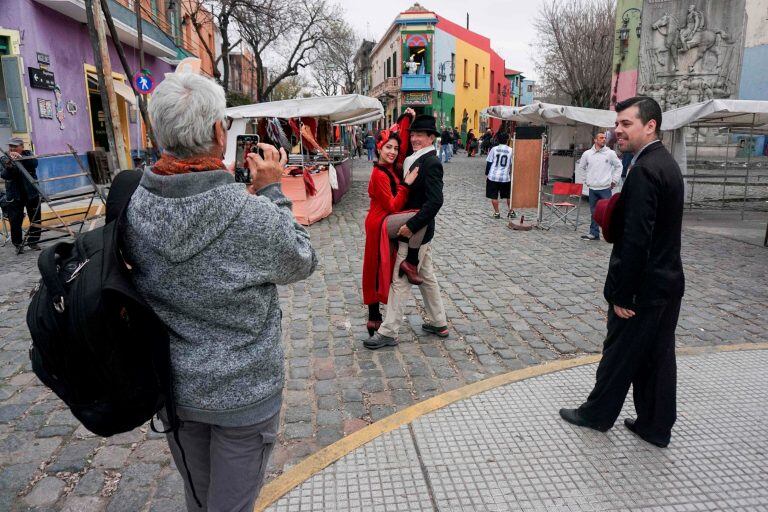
96	112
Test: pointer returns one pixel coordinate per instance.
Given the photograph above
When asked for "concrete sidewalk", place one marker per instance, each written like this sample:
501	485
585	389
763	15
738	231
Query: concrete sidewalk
507	449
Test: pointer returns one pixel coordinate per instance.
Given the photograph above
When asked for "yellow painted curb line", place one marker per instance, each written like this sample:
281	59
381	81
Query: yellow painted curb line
320	460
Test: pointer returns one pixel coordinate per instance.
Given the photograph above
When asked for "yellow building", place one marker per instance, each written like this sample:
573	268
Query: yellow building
472	83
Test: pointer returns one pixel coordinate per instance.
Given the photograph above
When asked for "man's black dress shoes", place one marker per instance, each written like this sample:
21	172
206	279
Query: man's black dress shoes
575	418
630	424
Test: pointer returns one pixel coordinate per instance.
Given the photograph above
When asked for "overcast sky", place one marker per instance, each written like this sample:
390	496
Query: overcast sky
507	23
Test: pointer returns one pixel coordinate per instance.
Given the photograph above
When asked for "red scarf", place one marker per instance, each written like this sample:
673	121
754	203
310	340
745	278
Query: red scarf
168	165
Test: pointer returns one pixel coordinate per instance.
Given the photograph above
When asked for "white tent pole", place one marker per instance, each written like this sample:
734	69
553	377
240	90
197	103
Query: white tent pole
749	160
725	168
695	162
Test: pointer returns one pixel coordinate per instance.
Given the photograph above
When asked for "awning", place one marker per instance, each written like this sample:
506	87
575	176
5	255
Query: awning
733	114
548	113
333	108
124	90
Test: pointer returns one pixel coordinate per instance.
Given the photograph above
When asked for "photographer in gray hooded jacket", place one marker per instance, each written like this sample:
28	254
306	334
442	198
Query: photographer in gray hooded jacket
208	255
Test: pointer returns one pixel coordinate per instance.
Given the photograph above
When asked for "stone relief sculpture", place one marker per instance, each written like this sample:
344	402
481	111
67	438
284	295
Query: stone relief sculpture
694	22
690	50
679	39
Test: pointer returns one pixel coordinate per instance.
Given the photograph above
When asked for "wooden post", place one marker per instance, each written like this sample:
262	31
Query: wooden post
98	38
121	55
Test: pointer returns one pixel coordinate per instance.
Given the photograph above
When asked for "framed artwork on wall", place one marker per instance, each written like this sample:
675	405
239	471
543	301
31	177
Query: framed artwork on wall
45	108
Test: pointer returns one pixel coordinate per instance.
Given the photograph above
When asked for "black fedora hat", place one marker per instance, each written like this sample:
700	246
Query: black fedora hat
424	123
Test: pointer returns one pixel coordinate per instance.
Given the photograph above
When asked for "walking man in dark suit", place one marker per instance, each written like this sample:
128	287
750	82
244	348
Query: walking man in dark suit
644	287
426	196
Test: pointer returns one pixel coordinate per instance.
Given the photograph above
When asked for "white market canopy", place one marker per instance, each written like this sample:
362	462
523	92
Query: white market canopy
731	114
548	113
337	109
344	109
739	116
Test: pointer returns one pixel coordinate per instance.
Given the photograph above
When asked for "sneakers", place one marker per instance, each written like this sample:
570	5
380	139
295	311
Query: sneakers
378	341
438	331
496	215
511	214
590	237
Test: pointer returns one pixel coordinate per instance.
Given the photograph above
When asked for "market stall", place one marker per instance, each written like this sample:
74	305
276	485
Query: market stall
319	170
734	172
570	132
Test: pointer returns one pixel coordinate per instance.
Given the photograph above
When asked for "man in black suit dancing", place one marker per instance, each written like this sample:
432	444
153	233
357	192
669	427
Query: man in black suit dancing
426	196
644	287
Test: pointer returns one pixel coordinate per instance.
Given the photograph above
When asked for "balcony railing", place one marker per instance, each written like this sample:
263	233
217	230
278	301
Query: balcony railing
417	82
157	41
390	86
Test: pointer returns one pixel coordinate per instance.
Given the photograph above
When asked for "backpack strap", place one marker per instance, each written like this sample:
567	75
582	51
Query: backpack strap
49	271
120	193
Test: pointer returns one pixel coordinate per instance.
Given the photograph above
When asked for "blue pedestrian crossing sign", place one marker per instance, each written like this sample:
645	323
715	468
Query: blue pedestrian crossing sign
143	82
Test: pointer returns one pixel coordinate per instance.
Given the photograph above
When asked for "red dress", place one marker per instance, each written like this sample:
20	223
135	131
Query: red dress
388	195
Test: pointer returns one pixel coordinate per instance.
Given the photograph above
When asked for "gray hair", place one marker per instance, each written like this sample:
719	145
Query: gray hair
183	110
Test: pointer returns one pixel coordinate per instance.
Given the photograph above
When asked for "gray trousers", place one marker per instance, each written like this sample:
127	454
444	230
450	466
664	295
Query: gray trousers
227	464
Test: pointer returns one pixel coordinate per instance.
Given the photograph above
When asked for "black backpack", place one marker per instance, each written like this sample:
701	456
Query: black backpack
95	342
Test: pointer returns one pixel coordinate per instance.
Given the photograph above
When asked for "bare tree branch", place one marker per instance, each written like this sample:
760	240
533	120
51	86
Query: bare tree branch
574	50
286	37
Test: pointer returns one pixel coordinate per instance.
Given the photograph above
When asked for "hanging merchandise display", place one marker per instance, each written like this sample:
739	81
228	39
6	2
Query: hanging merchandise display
319	171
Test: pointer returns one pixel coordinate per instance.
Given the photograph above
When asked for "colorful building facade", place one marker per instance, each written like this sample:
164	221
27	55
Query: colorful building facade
626	50
528	92
49	38
437	67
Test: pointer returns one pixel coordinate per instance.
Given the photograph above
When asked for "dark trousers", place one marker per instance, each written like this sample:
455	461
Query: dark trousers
594	197
16	219
639	351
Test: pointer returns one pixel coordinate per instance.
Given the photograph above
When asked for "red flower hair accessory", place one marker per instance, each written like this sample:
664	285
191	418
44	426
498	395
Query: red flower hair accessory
384	135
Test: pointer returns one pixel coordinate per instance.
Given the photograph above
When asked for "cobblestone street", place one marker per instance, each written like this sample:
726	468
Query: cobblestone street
513	300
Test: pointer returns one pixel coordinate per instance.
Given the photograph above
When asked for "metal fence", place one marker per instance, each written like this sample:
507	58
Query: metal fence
733	176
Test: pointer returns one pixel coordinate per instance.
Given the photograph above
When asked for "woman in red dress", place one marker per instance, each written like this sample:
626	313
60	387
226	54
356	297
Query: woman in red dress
388	191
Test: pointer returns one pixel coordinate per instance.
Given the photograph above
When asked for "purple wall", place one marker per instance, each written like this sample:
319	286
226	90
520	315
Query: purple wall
66	42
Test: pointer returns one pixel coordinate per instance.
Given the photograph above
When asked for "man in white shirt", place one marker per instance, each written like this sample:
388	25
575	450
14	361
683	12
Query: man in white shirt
498	167
600	169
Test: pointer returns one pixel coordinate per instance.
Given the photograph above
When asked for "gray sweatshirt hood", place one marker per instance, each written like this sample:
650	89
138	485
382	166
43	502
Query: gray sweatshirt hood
180	215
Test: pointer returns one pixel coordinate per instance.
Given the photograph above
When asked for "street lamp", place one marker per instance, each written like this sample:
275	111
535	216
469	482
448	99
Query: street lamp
624	29
442	76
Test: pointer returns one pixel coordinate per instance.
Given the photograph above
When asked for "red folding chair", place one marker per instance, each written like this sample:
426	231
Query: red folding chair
564	200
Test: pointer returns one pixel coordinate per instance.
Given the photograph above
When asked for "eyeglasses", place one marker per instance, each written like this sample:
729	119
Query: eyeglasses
227	122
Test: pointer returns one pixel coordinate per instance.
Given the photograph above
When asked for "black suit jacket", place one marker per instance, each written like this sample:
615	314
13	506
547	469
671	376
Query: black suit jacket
645	267
426	194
